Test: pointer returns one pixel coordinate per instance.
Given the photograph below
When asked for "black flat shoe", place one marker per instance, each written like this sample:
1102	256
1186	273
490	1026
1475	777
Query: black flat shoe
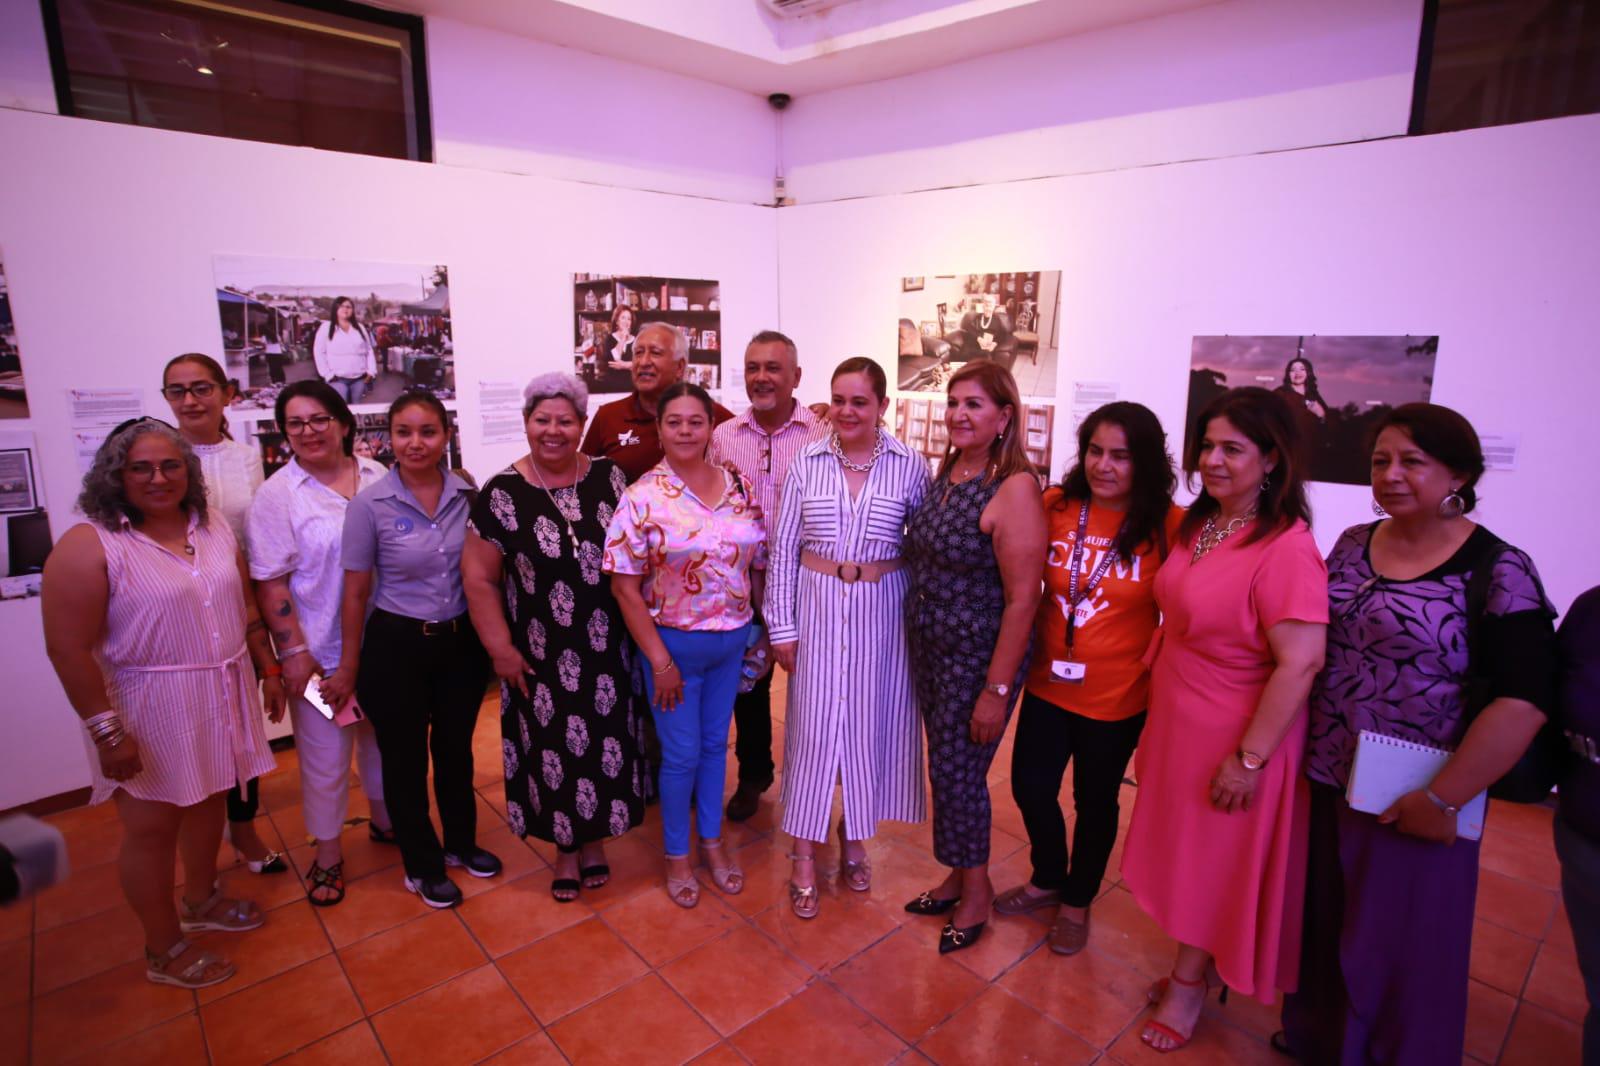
381	836
925	904
953	939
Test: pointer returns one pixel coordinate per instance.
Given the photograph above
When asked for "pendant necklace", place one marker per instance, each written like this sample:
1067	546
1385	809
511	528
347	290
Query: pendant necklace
837	448
571	533
1210	536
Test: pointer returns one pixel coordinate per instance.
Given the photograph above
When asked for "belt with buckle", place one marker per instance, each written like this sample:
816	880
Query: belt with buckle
437	628
850	573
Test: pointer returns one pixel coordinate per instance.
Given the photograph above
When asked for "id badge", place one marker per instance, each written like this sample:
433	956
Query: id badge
1068	672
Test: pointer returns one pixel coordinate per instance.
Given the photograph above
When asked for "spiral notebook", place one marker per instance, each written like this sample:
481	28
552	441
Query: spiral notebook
1386	768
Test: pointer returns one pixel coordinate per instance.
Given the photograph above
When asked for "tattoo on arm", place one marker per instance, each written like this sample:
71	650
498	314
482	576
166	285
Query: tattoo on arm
285	608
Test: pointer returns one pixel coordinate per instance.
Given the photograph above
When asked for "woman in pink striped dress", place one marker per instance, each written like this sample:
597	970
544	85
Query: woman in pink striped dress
148	627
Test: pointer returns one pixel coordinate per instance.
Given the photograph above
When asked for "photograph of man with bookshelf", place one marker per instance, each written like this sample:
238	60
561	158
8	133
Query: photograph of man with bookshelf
609	311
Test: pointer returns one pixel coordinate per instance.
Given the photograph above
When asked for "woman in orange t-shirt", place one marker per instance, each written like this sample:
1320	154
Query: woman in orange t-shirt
1111	519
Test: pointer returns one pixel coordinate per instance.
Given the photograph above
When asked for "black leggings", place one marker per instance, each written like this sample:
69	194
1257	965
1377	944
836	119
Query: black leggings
1047	737
243	802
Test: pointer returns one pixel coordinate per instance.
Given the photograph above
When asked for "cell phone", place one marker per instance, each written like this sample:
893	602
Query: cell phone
349	715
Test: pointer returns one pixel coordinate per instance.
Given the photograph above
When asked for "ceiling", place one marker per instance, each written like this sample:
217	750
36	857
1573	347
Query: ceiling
740	44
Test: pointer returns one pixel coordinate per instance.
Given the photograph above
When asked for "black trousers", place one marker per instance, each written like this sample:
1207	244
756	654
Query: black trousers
1047	738
243	802
421	693
752	742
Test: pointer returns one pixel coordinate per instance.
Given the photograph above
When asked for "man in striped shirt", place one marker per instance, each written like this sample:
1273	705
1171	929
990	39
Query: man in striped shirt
760	444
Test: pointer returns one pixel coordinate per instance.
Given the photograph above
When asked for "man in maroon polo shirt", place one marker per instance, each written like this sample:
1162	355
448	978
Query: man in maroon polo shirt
624	430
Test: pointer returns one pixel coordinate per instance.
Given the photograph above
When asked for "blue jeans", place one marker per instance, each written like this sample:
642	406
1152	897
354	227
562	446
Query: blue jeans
694	734
349	389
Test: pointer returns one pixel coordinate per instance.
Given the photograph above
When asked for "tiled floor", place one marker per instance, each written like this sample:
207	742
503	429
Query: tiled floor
623	975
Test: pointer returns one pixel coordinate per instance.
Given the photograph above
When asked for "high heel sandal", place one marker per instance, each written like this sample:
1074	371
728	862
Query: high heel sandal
272	864
855	873
1206	982
803	900
729	878
684	891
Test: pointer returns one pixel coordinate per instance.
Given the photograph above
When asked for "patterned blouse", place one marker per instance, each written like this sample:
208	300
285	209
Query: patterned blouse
1397	650
696	558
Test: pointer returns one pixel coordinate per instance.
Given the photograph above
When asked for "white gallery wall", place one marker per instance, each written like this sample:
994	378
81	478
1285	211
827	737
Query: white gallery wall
108	234
1489	238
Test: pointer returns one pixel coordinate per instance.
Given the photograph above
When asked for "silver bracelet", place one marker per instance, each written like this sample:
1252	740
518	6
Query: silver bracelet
287	653
665	669
1439	803
104	716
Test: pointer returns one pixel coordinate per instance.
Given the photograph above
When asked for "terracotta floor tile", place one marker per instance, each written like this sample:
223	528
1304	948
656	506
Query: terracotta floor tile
80	949
1560	935
906	985
370	906
16	971
571	969
267	891
290	822
636	867
1501	958
281	788
1123	931
1489	1012
660	930
643	1023
77	818
1215	1043
766	871
1516	905
840	932
1521	855
175	1043
1005	942
120	1001
400	962
900	872
281	1014
94	843
362	855
818	1025
463	1020
537	1050
352	1046
16	921
519	912
516	859
735	978
1556	985
14	1030
998	1027
1093	994
292	937
1539	1038
83	893
721	1055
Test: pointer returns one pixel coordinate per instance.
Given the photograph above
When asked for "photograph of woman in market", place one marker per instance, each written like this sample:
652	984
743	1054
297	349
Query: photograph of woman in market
346	358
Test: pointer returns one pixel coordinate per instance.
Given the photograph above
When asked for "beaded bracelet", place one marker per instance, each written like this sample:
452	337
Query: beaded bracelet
670	665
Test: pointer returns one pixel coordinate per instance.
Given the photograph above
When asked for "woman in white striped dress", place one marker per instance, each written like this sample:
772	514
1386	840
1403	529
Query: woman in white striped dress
835	591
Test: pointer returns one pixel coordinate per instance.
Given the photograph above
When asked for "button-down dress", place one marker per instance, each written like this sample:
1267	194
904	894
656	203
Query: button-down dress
852	713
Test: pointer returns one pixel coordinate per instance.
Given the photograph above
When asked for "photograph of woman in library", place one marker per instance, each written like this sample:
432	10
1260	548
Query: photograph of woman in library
948	320
371	330
609	310
13	397
1338	387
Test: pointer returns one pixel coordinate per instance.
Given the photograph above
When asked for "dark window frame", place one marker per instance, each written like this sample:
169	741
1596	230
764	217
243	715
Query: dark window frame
1424	69
413	26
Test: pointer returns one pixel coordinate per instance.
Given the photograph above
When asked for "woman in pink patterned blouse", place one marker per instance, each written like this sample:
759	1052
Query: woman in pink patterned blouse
686	550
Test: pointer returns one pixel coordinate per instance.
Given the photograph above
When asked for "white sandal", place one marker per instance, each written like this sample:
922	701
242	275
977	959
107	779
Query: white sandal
803	900
729	878
238	916
189	977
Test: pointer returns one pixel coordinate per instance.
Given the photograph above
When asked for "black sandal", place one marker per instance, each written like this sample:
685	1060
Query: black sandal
381	836
329	877
599	873
565	884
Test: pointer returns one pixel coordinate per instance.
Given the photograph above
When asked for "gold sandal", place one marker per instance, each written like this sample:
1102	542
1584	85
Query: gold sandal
855	873
729	878
804	901
156	968
234	916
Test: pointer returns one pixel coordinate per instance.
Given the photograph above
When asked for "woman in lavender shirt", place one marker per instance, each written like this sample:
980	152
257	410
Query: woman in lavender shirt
1389	902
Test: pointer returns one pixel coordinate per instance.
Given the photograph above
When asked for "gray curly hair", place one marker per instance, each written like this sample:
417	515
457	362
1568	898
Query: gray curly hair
103	500
552	385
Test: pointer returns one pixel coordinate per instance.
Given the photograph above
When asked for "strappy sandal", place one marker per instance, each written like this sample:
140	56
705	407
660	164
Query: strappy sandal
684	891
729	878
595	876
325	877
157	969
803	900
271	863
218	914
379	835
1155	1028
855	873
1025	898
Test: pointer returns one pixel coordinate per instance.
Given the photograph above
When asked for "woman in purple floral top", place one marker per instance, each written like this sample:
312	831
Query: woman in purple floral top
1389	902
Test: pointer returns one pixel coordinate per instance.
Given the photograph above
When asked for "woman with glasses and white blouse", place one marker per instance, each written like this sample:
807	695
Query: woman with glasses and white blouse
294	530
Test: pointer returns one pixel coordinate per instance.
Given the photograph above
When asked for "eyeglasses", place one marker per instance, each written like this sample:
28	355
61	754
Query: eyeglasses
766	457
169	470
200	389
315	424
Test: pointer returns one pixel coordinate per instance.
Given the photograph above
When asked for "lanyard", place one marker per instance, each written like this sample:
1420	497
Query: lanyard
1076	562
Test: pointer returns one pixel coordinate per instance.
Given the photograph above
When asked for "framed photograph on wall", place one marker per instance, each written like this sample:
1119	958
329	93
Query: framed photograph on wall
603	338
17	489
1008	318
911	284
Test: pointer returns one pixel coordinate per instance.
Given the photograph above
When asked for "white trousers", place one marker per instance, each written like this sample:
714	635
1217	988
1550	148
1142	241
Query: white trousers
324	750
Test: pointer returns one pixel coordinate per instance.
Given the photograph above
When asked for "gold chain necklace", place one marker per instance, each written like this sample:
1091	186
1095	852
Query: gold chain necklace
577	466
1210	536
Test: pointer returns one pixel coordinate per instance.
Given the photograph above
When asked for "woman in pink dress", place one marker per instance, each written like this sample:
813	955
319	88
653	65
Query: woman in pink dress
1216	850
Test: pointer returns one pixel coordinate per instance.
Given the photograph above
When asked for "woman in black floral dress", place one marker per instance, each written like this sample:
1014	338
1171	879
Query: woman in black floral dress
976	586
545	613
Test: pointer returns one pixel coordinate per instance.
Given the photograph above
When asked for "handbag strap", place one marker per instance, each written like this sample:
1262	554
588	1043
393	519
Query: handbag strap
1477	606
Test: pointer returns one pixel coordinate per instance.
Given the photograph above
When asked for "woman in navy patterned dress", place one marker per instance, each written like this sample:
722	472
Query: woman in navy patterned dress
976	585
1389	901
545	613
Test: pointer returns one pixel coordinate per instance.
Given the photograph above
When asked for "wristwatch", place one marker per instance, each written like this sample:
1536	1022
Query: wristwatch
999	688
1439	803
1250	760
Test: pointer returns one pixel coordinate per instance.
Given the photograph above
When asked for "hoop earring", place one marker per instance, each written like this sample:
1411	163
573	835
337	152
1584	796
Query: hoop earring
1377	508
1453	505
1266	484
